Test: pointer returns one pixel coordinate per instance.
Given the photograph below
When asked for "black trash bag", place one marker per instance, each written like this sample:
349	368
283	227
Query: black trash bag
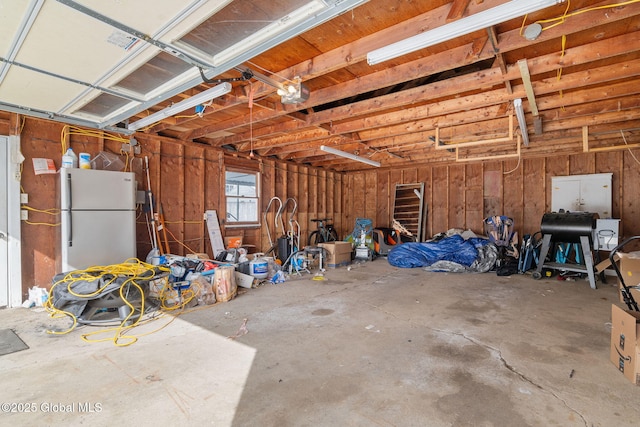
509	267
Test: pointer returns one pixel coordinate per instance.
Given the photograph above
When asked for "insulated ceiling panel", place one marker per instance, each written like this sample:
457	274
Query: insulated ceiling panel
28	88
243	21
10	22
102	105
80	49
156	72
151	16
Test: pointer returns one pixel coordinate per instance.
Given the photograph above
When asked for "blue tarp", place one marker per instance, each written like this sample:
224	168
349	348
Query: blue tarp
422	254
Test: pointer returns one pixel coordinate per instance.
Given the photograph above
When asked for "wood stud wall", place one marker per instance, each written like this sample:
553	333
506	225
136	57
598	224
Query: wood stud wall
187	179
461	196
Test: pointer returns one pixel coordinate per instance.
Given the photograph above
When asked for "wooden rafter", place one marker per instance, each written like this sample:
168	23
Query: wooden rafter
458	8
440	145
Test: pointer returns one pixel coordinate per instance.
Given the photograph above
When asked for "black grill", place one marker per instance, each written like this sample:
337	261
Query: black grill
567	227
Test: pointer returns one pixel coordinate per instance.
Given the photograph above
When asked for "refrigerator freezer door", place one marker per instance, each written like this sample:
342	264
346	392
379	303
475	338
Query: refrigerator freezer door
91	238
89	189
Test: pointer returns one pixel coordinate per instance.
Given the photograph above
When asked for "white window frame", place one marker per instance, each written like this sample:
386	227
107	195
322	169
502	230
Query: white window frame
256	222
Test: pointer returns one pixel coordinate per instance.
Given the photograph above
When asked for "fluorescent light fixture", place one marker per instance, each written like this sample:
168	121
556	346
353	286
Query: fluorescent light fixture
517	103
349	156
496	15
185	104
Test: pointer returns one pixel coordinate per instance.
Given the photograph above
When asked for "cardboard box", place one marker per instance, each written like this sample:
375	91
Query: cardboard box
625	349
232	242
244	280
629	266
337	254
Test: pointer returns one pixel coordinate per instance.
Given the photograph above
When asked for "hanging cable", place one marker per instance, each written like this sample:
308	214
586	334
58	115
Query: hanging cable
245	75
132	271
628	149
251	88
561	19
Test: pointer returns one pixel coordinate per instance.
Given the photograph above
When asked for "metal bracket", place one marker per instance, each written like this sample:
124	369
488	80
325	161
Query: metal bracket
246	75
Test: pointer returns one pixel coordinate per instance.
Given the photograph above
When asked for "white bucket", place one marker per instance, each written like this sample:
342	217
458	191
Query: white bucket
259	268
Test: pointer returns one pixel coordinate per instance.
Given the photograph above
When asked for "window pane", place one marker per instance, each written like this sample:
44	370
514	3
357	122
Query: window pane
241	190
241	184
242	210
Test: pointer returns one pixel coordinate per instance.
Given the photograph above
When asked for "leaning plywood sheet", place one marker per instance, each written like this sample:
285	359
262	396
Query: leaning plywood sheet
215	235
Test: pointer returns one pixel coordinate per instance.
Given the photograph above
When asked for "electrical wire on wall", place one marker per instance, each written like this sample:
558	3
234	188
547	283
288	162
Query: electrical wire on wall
68	130
628	148
181	243
50	211
127	166
518	141
514	169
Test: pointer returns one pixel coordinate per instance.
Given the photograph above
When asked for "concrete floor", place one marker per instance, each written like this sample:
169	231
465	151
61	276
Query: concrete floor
370	346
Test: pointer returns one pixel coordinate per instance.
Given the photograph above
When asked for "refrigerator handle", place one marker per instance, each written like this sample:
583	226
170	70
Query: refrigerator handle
69	208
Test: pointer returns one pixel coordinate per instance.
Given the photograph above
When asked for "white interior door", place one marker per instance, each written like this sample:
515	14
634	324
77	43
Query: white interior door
10	235
4	223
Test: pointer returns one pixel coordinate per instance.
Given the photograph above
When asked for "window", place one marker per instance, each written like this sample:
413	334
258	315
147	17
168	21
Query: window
241	191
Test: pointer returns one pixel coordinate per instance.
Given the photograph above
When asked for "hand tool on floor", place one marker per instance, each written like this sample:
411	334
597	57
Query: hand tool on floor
154	232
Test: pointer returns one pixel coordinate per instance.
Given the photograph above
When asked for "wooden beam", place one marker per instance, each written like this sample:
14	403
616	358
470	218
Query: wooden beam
585	138
528	87
357	51
493	38
15	123
486	119
433	64
458	7
613	147
547	86
449	145
575	56
351	53
421	130
491	157
336	59
583	54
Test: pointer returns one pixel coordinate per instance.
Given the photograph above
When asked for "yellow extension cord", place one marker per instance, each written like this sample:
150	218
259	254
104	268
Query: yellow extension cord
135	271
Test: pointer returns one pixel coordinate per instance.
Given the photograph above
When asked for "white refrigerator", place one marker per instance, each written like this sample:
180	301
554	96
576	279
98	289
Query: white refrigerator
97	218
